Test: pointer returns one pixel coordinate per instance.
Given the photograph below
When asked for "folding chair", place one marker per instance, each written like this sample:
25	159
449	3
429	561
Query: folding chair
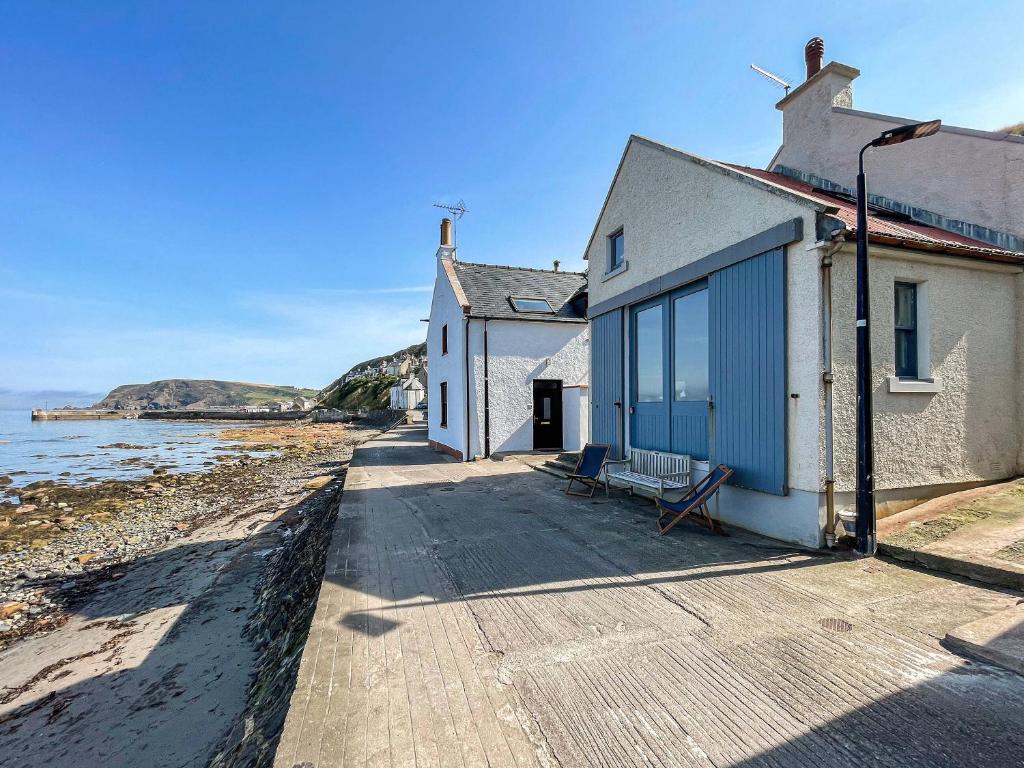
695	503
589	468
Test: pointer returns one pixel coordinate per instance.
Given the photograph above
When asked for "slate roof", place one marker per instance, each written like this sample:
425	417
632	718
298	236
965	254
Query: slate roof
489	286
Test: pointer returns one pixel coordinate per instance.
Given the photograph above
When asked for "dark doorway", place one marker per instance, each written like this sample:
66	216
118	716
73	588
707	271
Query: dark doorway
547	414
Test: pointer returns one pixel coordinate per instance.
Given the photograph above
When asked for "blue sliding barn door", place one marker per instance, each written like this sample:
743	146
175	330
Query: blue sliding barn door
606	378
748	370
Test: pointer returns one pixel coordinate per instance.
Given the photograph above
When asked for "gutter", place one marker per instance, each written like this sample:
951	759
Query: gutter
828	249
981	254
466	456
487	400
545	319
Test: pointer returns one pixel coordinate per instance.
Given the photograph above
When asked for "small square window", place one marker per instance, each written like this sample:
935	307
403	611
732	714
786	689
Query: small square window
906	331
528	304
616	251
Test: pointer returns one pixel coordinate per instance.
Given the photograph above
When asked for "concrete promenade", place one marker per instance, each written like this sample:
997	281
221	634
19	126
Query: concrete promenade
472	614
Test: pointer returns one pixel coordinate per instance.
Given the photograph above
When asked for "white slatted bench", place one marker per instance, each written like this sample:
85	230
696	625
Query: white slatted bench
655	470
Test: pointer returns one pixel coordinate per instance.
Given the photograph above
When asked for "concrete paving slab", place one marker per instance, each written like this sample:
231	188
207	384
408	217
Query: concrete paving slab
998	638
473	614
977	534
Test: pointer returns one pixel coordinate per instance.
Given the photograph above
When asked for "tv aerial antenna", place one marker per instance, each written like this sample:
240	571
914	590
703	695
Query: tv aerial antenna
457	211
779	81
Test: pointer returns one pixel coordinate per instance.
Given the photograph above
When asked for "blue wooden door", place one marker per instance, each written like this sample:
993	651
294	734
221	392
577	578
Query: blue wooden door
606	380
748	370
649	375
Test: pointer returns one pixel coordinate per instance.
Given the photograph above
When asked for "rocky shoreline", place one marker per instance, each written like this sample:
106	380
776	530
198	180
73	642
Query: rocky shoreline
278	626
180	652
55	544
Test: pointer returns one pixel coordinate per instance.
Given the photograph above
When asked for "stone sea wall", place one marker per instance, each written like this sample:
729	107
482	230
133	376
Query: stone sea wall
278	627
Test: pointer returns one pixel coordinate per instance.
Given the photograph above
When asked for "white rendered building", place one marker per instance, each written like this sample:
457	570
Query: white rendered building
507	349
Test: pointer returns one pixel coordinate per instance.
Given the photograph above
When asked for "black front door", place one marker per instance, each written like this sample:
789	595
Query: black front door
547	414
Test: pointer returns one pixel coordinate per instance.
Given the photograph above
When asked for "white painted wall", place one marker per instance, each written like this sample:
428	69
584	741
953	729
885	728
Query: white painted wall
445	309
675	211
1019	293
405	399
518	353
576	411
970	430
974	176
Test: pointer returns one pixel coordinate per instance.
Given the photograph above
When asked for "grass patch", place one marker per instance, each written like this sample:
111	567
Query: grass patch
1013	553
374	394
917	535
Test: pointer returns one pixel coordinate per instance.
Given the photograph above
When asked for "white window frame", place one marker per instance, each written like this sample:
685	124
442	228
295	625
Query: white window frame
925	383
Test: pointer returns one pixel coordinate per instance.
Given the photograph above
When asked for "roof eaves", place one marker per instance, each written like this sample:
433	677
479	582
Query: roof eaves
946	128
776	189
523	269
453	279
520	318
713	165
936	246
608	194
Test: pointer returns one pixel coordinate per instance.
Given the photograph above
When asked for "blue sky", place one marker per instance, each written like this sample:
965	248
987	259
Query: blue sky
243	190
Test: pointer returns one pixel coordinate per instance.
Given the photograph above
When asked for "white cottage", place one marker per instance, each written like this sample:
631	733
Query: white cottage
722	306
407	394
507	350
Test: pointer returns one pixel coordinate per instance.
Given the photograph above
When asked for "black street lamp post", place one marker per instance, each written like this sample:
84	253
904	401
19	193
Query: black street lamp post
865	527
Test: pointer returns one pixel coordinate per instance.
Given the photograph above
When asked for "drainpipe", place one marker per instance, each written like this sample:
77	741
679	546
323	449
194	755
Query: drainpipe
487	400
469	445
827	378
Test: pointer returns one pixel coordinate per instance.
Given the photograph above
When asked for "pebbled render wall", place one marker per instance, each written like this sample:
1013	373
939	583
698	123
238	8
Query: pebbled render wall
518	353
967	433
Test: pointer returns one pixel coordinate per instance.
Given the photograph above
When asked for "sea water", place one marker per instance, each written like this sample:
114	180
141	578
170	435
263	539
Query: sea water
84	451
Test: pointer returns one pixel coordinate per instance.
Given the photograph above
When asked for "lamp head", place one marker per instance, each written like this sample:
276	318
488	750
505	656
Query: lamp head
906	133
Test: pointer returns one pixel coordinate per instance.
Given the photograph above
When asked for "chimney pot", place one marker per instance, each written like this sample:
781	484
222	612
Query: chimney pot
814	54
446	231
557	262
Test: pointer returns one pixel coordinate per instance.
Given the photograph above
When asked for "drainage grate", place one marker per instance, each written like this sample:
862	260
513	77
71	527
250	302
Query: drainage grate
832	624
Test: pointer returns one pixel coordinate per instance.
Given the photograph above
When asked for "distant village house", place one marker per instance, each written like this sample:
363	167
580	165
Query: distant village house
407	394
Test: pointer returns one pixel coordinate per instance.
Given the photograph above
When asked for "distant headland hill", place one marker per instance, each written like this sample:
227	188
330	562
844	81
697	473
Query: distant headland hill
197	394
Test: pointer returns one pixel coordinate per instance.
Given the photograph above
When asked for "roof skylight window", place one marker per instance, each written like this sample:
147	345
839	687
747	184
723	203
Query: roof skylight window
528	304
